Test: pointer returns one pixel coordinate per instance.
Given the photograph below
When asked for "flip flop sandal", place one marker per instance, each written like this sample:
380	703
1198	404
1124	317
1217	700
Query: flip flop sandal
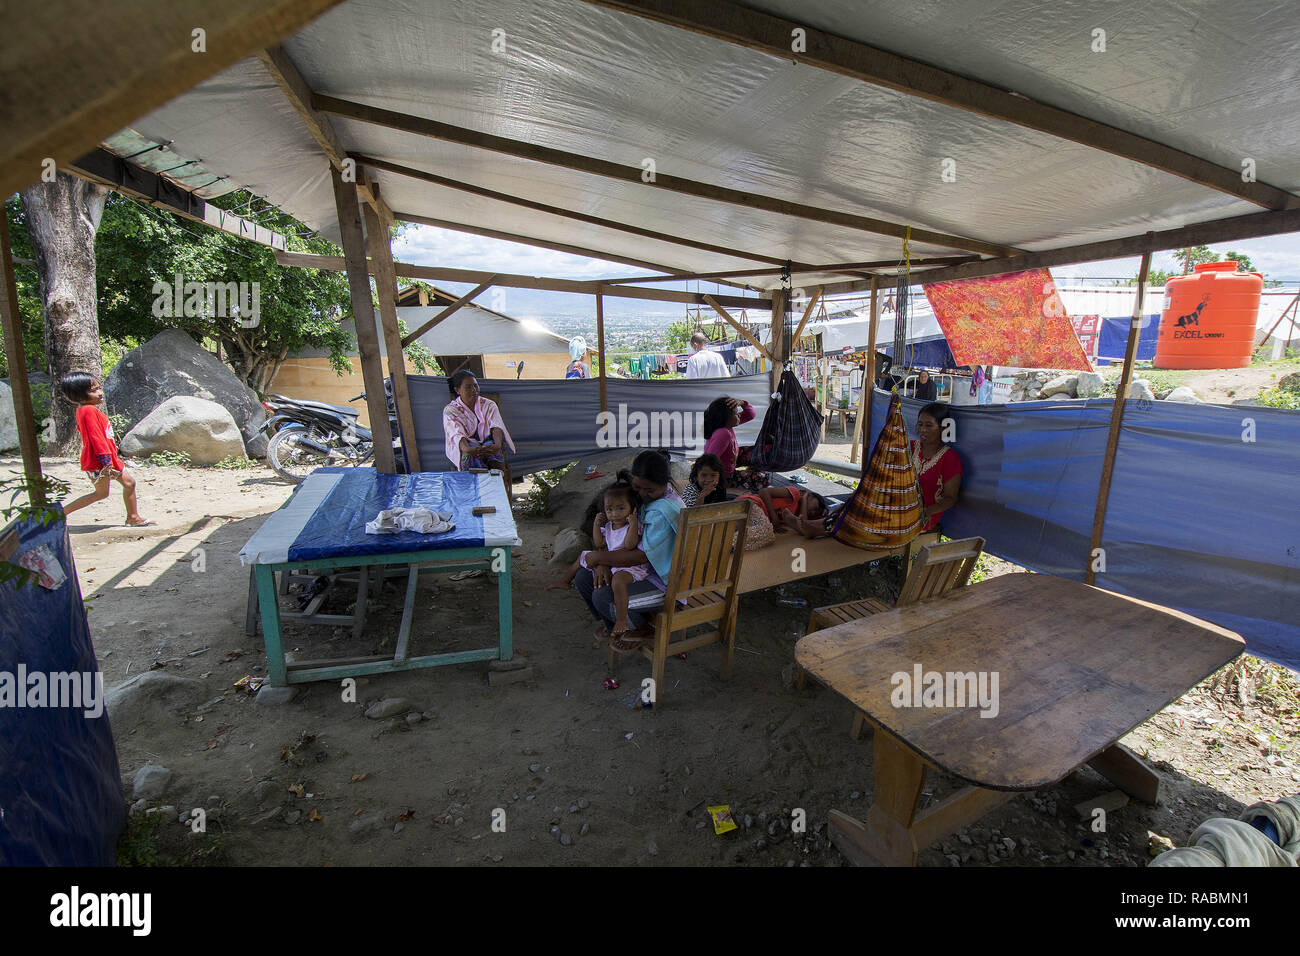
466	575
141	524
627	645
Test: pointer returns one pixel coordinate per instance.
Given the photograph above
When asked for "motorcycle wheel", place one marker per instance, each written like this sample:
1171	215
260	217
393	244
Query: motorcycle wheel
290	460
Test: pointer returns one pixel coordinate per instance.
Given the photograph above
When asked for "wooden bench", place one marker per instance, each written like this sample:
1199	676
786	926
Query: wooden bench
773	565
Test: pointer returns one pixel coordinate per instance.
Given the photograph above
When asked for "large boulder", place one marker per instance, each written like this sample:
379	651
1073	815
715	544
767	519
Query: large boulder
1289	383
1183	394
1089	384
1061	385
202	429
8	419
172	364
1140	388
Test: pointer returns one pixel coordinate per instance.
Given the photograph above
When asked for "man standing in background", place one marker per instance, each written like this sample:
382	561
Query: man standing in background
705	363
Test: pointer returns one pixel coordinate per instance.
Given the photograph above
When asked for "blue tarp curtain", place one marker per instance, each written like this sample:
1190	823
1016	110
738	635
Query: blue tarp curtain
60	789
1198	518
554	421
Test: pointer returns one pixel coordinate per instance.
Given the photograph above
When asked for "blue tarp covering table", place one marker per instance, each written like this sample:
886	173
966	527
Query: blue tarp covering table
323	523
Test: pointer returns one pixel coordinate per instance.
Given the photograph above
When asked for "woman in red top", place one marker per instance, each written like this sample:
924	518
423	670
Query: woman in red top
721	419
98	450
937	466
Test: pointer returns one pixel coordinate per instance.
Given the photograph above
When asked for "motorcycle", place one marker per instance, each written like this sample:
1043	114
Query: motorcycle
306	435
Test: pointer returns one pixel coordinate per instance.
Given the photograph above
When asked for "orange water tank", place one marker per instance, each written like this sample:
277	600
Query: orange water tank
1209	318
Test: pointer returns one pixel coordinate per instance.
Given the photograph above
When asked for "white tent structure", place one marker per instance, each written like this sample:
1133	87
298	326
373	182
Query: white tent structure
704	140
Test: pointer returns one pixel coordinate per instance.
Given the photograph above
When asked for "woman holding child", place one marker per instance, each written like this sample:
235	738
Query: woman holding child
607	579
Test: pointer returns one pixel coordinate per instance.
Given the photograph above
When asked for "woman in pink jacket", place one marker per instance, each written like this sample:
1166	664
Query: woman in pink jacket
475	433
720	421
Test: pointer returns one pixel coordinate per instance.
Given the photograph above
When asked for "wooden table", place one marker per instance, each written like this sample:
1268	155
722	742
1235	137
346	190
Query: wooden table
1077	669
322	527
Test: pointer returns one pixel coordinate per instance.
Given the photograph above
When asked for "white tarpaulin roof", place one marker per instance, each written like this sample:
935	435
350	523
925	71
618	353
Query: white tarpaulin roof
1191	74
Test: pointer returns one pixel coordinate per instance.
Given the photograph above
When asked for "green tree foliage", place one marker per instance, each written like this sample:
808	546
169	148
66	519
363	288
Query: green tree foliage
678	336
139	247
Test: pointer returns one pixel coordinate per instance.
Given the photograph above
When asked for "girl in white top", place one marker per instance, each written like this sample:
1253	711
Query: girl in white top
615	529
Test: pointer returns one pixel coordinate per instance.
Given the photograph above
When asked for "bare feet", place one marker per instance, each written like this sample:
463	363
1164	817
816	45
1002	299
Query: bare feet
138	522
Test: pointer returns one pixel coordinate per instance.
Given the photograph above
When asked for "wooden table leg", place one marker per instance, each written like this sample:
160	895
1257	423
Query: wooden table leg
250	612
270	607
505	609
1122	767
408	612
359	612
894	833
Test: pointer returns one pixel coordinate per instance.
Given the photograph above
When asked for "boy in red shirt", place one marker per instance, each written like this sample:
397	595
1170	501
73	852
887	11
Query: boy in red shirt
98	450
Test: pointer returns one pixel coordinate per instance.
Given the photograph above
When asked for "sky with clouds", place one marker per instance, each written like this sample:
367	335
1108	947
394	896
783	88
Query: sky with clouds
1278	257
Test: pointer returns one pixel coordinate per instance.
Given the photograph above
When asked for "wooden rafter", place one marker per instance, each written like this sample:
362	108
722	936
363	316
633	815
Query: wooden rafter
807	313
749	336
559	211
290	80
446	313
1204	233
756	30
75	73
586	287
595	166
673	274
796	269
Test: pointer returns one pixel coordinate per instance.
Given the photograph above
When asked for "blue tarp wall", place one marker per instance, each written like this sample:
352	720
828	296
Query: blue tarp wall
933	353
1112	338
60	789
1200	518
554	421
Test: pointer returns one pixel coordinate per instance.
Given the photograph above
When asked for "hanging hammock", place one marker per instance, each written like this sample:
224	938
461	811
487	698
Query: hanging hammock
885	510
792	427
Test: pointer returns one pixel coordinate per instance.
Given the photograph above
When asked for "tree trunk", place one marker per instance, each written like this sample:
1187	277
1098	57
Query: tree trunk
62	218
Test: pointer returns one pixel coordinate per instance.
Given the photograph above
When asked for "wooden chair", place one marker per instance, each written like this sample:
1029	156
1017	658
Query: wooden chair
705	570
938	569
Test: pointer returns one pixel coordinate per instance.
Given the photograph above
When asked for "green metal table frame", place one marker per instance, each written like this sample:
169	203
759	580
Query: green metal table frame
494	558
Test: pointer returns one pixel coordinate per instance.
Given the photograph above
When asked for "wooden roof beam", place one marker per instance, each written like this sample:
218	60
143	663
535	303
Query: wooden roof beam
673	274
1204	233
437	180
420	126
729	21
834	267
73	74
474	277
291	82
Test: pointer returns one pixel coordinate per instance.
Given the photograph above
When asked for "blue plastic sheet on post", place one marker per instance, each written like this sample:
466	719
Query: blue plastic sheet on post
1113	337
338	527
1201	515
555	421
60	790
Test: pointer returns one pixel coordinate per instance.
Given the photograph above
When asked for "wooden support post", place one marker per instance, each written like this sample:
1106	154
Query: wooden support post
347	203
863	427
600	346
777	336
1116	418
381	257
13	337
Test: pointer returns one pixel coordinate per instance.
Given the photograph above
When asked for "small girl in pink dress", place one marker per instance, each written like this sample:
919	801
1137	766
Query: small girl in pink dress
615	529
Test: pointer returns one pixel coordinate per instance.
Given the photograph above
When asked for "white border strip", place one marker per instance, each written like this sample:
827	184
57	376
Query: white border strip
270	544
499	528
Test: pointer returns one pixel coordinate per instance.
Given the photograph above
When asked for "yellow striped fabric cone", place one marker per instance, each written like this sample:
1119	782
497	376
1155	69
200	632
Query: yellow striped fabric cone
885	510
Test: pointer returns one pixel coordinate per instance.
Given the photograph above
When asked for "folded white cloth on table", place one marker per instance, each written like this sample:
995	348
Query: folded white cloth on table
392	520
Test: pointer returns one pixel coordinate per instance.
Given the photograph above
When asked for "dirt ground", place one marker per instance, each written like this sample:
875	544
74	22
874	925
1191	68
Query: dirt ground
582	776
